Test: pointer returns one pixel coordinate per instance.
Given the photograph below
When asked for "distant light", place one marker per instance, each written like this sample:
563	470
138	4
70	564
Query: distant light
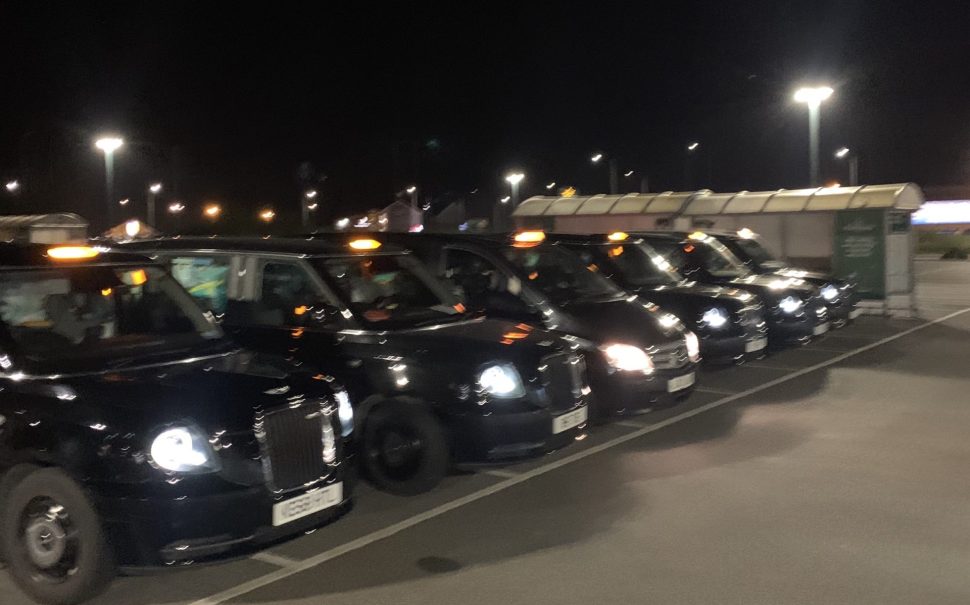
426	207
833	184
551	185
312	206
364	244
411	189
12	186
694	145
155	187
213	211
568	192
72	252
416	228
596	158
267	215
505	200
123	202
842	152
176	207
813	96
746	233
342	223
132	228
109	144
311	194
529	237
628	174
473	191
943	213
515	178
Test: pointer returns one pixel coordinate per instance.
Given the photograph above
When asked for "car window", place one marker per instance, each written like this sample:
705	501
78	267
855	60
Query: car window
559	274
630	263
205	278
286	291
473	274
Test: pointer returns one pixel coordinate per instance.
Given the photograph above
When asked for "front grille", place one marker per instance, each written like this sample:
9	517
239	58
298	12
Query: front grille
564	379
752	317
669	356
292	444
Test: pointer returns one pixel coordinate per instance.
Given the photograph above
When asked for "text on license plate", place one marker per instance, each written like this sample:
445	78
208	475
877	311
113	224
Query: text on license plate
570	420
755	345
821	329
680	383
307	504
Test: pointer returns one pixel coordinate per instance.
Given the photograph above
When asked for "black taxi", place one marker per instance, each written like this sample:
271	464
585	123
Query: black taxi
795	309
840	295
134	434
432	383
647	356
729	322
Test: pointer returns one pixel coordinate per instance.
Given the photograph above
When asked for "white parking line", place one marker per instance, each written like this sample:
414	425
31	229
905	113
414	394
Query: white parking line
630	424
764	366
713	391
272	559
396	528
499	472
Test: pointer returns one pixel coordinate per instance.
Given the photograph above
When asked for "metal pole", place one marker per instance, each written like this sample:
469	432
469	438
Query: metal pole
304	212
644	184
109	183
515	195
854	170
151	207
813	121
614	178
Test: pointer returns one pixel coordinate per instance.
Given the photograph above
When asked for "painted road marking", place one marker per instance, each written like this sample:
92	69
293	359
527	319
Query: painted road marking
274	559
630	424
396	528
500	472
714	391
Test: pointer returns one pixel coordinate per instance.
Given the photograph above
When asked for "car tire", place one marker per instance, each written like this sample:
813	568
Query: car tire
61	559
404	450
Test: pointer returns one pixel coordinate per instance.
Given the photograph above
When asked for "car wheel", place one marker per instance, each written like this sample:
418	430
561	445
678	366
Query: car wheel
404	449
52	540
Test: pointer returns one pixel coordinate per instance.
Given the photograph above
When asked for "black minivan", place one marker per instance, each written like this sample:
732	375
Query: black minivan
648	356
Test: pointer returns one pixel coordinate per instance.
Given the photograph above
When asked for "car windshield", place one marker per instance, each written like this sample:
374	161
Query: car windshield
708	254
391	290
753	249
633	264
99	314
560	275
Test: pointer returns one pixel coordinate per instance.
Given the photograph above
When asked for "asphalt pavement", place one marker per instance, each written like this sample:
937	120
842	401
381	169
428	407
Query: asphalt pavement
831	473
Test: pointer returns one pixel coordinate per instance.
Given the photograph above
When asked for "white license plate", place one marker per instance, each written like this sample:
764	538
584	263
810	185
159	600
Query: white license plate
307	504
570	420
755	345
855	313
680	383
821	329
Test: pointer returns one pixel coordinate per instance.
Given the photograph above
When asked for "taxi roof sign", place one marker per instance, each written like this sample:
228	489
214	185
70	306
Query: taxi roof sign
72	252
529	237
617	236
364	244
699	235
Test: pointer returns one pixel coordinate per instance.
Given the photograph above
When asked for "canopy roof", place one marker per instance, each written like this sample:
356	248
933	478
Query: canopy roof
901	196
62	219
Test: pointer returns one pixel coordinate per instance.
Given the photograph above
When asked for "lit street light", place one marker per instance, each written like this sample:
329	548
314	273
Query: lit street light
614	179
845	153
212	211
813	97
596	158
692	146
12	186
312	207
514	179
109	145
551	185
628	174
175	208
305	206
505	200
153	190
267	215
123	202
413	192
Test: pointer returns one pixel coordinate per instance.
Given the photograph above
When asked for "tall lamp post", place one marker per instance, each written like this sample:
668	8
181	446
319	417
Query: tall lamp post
308	198
153	190
109	145
844	153
813	97
614	177
514	179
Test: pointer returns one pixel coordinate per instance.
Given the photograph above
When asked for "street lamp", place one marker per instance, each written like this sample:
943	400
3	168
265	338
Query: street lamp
628	174
551	185
212	211
13	186
123	202
109	145
176	208
844	153
514	179
505	200
267	215
693	145
153	190
813	97
614	179
413	192
304	206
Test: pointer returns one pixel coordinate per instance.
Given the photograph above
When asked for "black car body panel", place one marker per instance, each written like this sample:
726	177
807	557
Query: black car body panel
433	364
842	301
744	333
616	316
98	424
695	256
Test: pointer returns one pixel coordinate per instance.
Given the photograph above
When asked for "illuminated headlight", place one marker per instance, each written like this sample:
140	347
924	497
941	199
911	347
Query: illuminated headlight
627	358
345	412
790	304
715	317
328	442
693	346
830	292
182	450
501	380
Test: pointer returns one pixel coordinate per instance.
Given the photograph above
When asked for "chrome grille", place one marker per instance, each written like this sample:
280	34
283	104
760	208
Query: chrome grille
669	356
564	379
292	446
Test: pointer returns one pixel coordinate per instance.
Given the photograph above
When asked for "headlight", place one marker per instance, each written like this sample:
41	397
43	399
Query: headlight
501	380
628	358
830	292
328	442
790	304
693	346
714	317
182	450
345	412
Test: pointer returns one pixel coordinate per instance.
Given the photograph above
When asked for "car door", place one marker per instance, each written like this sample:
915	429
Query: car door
485	286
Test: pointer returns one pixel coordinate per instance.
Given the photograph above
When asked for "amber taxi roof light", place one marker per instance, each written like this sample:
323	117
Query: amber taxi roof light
72	252
746	233
617	236
529	237
364	244
698	235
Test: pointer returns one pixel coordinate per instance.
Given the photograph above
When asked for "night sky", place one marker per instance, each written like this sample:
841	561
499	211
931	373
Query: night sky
250	107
